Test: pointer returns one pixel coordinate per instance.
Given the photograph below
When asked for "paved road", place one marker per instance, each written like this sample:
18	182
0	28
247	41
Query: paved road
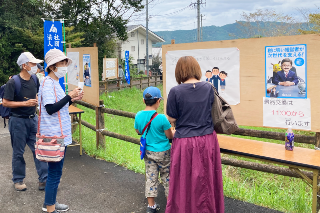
88	185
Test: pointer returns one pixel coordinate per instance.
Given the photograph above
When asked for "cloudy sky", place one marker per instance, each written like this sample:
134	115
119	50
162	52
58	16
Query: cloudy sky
176	15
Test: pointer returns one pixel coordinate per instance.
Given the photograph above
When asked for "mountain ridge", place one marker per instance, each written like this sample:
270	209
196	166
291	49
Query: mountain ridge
228	32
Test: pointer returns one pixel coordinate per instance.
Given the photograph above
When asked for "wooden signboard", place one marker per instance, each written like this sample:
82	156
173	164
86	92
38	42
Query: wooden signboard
91	93
110	68
252	73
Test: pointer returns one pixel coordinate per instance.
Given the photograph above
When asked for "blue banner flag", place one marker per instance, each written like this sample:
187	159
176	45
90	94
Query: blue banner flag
127	67
53	40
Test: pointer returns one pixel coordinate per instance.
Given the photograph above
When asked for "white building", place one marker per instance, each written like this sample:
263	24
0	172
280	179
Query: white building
136	45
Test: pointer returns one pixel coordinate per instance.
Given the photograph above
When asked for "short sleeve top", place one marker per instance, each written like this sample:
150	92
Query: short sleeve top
191	105
156	138
29	89
49	125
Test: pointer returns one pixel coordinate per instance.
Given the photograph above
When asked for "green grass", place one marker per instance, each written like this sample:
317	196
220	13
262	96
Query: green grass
273	191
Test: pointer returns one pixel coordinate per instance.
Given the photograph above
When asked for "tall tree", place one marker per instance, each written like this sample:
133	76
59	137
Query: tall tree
20	23
100	20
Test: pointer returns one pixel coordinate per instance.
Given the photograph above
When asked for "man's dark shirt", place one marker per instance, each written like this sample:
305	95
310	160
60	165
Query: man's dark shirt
28	91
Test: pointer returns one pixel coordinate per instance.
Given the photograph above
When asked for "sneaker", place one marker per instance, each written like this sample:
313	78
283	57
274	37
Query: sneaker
59	207
42	186
151	210
20	186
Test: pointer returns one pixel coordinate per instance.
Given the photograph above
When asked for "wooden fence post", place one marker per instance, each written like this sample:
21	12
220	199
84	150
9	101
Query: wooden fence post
318	194
148	81
131	82
119	79
155	80
140	82
106	86
317	142
100	126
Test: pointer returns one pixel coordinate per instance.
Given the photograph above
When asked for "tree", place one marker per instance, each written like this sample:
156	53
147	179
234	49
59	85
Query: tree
314	20
156	62
100	20
267	23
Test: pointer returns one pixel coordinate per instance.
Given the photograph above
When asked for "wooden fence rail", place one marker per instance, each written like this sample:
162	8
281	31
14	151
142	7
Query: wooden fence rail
244	132
108	82
224	160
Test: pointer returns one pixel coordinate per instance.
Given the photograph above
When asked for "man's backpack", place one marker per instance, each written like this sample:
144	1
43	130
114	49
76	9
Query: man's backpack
5	111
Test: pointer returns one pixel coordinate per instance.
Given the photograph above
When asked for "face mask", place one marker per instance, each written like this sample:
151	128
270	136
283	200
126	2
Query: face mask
61	72
33	70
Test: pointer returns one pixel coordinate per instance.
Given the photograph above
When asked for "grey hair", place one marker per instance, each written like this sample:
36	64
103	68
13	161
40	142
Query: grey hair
22	64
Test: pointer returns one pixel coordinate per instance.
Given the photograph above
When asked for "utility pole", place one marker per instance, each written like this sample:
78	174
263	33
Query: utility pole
201	29
198	17
147	41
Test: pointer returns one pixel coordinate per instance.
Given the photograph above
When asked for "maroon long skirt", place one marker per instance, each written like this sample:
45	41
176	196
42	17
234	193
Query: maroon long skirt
195	184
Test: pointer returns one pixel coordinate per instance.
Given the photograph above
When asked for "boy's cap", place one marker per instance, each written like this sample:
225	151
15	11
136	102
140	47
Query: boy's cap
40	67
27	57
153	91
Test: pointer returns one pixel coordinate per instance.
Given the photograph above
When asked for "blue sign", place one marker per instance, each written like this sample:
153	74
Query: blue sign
286	71
53	40
127	67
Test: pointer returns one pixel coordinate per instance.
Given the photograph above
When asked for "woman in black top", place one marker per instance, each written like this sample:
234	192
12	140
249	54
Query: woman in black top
195	171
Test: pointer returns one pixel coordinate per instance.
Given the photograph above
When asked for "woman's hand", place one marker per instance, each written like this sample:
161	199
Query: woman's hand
74	93
79	97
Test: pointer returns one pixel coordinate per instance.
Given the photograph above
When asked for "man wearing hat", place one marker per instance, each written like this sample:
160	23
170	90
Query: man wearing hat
23	121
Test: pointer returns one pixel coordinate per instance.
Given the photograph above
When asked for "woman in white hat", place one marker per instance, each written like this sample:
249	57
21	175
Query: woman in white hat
57	64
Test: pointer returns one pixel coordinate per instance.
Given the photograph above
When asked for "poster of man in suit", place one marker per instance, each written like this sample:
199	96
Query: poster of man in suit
286	70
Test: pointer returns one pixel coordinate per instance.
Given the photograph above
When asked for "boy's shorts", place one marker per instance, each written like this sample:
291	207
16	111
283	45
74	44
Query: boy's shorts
157	162
223	86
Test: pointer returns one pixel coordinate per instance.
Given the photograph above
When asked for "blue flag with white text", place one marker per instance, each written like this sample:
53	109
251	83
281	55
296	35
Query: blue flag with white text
53	40
127	67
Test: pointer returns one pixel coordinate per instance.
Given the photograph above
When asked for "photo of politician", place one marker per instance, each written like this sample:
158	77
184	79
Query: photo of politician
285	82
285	76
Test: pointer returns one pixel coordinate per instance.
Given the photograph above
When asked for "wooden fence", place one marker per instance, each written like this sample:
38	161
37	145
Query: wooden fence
114	84
99	128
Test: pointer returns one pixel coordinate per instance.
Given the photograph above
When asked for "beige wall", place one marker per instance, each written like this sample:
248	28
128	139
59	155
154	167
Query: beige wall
252	73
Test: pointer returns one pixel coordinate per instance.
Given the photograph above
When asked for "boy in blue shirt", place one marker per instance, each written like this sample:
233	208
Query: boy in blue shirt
157	157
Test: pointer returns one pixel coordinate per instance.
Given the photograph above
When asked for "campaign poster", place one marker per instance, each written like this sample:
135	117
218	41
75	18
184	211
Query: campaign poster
287	112
73	68
86	62
111	69
220	66
286	71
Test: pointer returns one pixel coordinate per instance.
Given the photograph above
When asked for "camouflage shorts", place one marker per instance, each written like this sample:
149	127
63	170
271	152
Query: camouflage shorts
157	162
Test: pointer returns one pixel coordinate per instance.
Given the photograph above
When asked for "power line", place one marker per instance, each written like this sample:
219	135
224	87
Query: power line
173	13
199	2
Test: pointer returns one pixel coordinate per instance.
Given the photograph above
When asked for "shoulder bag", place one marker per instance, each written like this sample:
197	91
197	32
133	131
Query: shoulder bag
222	116
143	140
49	148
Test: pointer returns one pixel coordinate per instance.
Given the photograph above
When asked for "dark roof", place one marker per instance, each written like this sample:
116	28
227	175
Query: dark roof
133	27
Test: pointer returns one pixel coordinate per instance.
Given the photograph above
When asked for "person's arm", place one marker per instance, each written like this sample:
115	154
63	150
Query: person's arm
172	106
171	120
295	79
276	79
9	94
53	108
169	133
17	104
138	131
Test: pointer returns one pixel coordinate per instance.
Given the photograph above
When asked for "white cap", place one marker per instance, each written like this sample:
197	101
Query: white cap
27	57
